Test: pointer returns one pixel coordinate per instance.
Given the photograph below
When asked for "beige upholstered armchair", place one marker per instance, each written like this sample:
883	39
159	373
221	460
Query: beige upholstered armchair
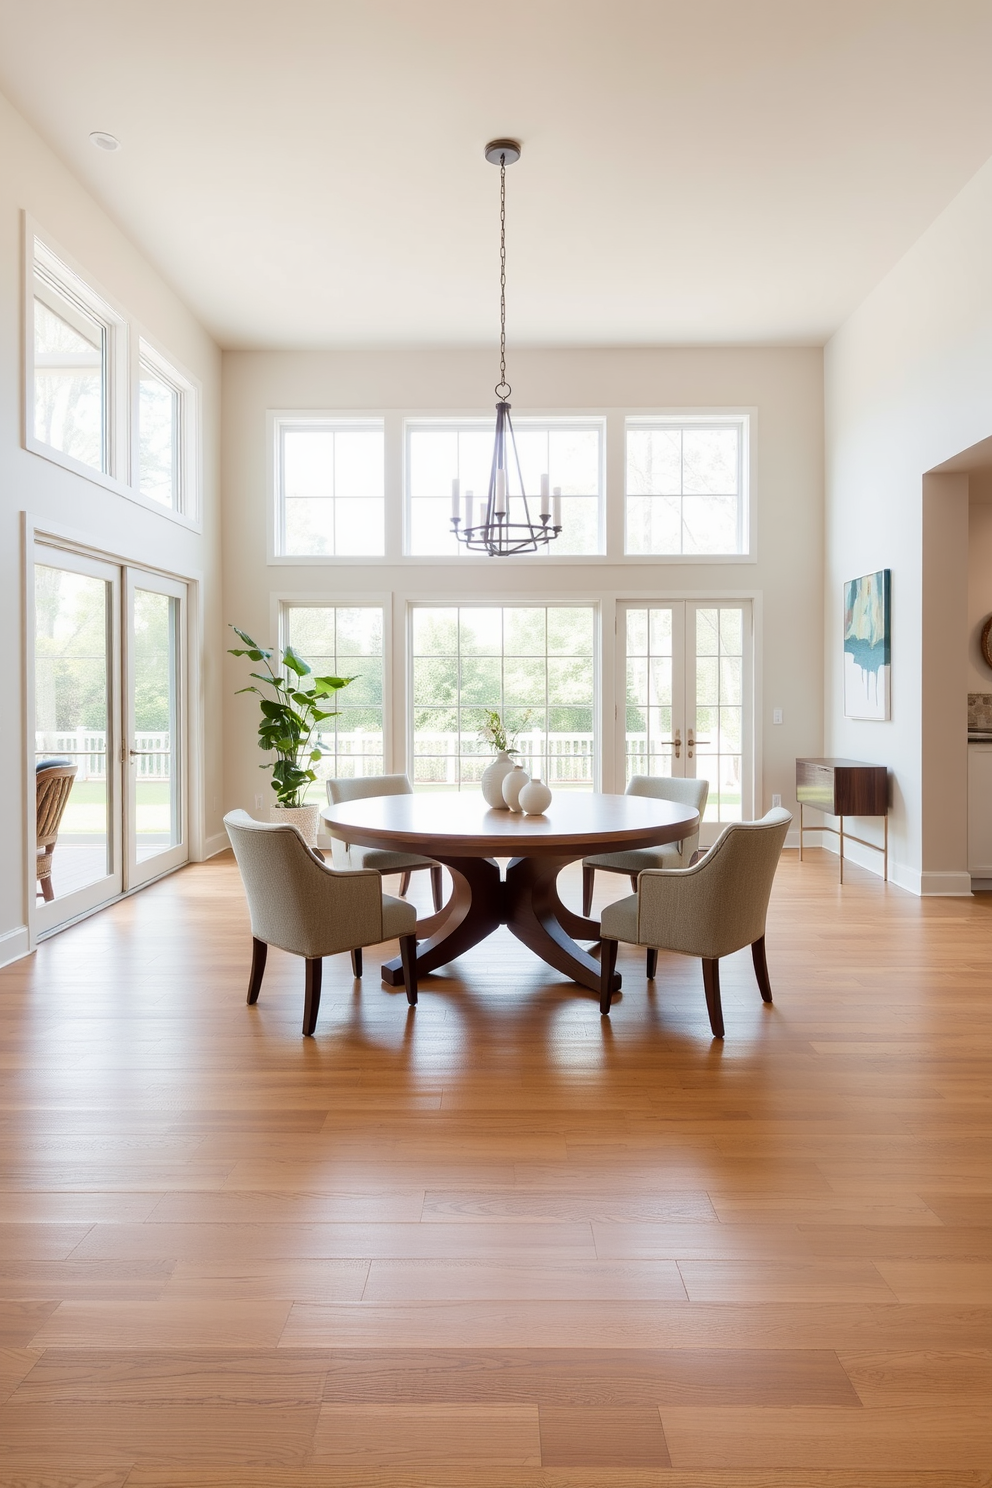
710	910
378	858
672	855
310	910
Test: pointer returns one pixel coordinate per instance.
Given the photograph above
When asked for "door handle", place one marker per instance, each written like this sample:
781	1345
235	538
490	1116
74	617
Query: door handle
678	744
692	742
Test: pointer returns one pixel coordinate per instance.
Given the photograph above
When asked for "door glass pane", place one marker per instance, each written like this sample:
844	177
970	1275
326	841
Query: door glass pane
719	708
155	754
649	719
69	385
71	726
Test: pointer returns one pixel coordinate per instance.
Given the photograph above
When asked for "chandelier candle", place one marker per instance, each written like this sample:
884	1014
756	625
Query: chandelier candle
506	525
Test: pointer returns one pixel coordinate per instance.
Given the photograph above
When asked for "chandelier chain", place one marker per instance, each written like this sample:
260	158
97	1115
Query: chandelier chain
503	388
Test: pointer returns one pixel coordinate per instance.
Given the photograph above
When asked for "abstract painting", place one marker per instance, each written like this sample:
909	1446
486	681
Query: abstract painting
867	646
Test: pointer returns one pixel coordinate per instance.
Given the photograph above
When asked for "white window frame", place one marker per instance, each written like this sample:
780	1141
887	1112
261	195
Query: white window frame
278	420
67	280
187	434
511	600
484	422
682	418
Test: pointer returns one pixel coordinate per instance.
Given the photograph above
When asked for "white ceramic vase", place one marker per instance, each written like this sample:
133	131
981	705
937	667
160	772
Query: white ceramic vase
306	818
513	784
535	798
492	780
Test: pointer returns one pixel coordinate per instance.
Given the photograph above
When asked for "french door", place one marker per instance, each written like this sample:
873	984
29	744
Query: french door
687	710
109	701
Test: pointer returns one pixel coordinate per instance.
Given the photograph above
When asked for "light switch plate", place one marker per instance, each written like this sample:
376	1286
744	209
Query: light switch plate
776	800
776	715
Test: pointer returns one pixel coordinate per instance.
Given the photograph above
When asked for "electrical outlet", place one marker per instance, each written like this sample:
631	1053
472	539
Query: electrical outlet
776	800
259	803
777	715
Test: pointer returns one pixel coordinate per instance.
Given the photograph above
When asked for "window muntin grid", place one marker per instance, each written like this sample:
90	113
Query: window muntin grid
569	451
686	486
331	488
534	664
344	641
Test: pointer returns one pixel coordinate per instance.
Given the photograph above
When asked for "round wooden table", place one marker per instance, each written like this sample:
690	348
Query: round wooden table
459	830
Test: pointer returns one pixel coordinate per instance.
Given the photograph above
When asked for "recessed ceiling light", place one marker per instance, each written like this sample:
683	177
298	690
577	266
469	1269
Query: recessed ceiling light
105	141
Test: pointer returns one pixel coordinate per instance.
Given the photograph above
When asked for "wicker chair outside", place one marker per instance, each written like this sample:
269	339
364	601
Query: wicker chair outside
54	782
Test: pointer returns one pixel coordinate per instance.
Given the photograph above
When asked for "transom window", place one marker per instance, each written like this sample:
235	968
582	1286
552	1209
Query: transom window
74	361
344	641
165	433
438	452
686	486
534	664
331	488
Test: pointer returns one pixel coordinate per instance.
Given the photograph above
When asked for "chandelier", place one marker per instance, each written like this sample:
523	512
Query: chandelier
505	523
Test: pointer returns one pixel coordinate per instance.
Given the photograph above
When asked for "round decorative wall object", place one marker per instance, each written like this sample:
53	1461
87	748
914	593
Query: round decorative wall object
987	642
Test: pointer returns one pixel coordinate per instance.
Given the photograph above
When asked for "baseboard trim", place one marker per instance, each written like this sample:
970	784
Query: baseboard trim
953	885
218	843
14	944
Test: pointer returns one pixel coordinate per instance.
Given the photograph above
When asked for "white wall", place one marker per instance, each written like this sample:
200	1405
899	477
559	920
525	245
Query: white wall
785	386
908	384
33	180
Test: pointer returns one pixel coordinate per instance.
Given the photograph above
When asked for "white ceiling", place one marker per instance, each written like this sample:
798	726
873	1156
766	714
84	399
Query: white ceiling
310	174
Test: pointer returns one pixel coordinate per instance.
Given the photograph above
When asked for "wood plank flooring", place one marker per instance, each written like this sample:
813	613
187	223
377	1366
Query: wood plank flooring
496	1239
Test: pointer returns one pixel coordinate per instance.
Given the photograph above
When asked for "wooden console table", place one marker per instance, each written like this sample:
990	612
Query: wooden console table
842	787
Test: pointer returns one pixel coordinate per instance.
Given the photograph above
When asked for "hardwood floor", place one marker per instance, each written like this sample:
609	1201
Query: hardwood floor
497	1239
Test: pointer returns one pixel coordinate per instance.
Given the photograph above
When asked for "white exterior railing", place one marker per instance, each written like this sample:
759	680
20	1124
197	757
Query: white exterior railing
87	749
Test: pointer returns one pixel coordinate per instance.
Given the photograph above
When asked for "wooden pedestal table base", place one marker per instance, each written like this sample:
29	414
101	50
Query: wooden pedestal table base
526	902
462	832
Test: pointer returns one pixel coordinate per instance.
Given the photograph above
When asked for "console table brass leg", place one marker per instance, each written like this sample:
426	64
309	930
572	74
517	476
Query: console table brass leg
800	831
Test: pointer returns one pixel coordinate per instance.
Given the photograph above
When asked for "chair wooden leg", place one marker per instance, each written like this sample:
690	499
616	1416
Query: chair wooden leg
652	963
761	969
48	893
711	986
311	1005
633	882
356	961
588	884
259	951
408	955
436	887
607	970
404	885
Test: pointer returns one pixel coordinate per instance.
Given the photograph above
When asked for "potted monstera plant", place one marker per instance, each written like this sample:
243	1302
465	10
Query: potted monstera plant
294	705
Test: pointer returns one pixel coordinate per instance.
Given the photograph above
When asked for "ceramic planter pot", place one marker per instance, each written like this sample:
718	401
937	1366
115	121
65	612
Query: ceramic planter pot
306	818
513	784
535	798
492	780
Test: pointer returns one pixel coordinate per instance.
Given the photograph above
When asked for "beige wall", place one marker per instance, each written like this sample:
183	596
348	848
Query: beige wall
908	385
33	180
784	386
979	577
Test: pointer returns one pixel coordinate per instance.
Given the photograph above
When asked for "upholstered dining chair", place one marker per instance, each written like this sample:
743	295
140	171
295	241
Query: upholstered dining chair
300	905
378	858
686	792
710	910
53	782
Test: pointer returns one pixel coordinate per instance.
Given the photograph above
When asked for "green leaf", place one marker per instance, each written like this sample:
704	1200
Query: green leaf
296	663
316	754
324	686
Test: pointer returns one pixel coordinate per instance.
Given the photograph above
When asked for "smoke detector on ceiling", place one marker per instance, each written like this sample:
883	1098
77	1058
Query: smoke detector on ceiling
105	141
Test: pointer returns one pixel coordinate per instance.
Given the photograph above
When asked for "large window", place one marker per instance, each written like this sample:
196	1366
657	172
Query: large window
686	486
344	641
568	451
535	664
166	435
330	486
78	343
134	429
